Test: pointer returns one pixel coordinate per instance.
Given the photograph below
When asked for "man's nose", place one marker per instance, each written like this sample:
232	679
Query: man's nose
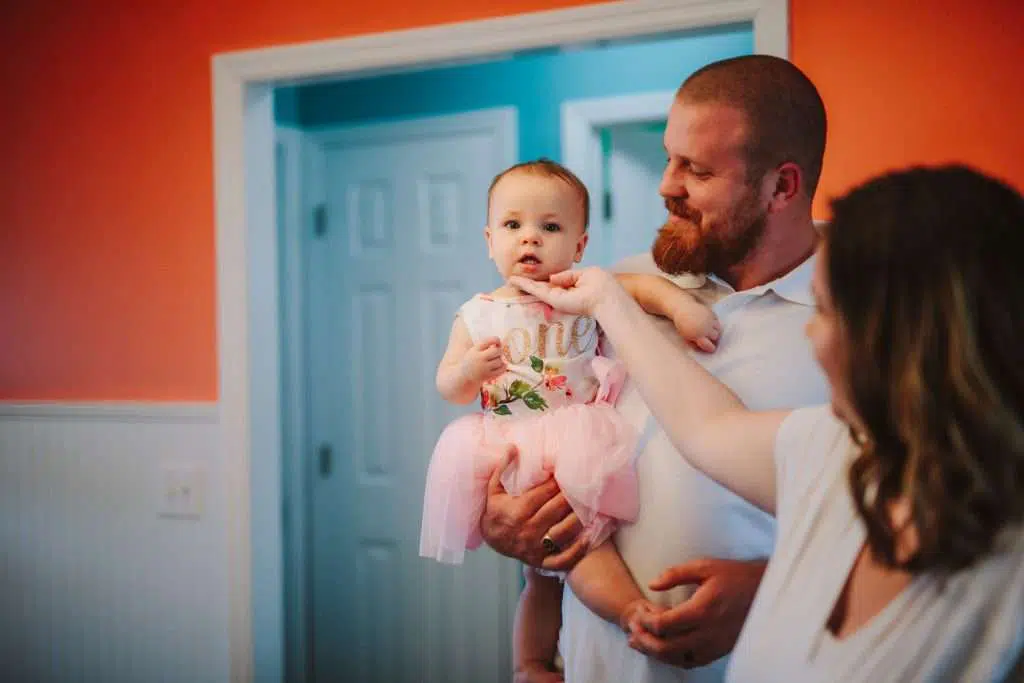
672	184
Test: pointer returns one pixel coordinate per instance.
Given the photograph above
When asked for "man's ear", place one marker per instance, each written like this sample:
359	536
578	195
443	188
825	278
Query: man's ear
787	182
580	246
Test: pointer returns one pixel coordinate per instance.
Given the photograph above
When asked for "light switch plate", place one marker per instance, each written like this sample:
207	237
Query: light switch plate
181	490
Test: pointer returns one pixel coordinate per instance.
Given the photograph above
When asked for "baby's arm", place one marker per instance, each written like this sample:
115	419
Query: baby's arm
466	366
603	583
535	631
695	322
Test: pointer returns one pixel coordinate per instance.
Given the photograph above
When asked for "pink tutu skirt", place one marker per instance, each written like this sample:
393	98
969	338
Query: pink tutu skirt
589	449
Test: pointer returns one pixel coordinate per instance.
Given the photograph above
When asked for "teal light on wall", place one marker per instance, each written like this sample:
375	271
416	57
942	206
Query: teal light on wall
535	82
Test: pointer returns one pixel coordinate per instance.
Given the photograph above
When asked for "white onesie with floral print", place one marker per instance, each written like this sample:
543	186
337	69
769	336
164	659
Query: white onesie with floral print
555	402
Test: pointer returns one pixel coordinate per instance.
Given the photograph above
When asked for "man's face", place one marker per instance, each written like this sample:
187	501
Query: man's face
716	214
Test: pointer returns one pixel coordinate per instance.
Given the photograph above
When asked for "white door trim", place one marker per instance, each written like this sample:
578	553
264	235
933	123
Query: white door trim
249	362
500	121
581	145
294	216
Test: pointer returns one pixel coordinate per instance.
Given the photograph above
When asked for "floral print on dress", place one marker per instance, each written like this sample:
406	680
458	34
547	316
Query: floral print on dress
496	398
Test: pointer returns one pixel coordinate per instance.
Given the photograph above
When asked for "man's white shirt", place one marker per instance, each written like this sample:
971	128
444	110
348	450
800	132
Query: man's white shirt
764	357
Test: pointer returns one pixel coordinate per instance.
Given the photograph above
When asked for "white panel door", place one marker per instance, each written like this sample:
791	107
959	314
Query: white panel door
402	248
636	161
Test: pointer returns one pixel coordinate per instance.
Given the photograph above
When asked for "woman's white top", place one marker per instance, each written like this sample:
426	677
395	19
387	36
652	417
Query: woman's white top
969	630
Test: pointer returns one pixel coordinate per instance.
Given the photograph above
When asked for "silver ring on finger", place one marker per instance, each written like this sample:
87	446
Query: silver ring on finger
550	547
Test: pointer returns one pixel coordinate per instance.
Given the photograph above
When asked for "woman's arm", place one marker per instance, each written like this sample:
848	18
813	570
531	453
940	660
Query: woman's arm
706	422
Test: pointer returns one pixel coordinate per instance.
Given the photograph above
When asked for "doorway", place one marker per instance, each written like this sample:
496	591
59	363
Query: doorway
394	250
397	202
252	367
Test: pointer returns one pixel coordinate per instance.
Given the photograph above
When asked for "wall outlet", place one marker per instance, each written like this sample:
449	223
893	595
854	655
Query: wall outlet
181	490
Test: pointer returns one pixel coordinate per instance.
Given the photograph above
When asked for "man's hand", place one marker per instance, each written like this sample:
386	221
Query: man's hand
516	526
705	627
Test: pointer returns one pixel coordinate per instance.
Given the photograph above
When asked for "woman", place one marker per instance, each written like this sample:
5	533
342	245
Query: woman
900	552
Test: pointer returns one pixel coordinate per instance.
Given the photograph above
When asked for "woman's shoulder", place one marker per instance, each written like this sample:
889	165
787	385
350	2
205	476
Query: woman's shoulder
812	447
808	432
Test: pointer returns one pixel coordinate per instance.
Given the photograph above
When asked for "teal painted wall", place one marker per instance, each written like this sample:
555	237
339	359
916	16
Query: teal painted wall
536	83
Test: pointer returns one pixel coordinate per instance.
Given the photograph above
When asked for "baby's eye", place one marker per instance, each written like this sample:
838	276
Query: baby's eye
511	225
552	227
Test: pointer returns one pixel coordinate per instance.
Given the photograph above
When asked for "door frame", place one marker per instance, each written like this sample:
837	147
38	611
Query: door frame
248	255
581	124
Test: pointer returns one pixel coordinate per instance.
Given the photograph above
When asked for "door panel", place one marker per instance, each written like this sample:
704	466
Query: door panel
636	161
403	248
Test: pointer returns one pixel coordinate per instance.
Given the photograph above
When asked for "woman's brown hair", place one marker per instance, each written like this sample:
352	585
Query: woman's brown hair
926	272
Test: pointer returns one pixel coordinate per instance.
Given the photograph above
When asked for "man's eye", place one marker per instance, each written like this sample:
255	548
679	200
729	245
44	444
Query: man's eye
512	225
552	227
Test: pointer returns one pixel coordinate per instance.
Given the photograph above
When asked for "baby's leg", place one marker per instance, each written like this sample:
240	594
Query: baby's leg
535	633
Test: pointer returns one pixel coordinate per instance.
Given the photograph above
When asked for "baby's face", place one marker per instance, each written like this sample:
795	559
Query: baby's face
535	226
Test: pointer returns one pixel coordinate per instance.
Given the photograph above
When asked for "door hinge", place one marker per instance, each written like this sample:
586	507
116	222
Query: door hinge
607	205
320	220
325	456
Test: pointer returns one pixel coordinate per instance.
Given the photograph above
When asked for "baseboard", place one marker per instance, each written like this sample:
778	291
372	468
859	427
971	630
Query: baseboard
118	411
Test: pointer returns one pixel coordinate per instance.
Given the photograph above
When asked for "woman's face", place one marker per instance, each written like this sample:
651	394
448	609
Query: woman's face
825	331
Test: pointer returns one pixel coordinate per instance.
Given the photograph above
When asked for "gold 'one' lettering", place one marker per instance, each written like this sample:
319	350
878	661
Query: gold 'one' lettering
542	339
516	353
582	326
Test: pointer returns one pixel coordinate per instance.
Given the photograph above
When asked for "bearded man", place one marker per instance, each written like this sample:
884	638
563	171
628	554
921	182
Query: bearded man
745	139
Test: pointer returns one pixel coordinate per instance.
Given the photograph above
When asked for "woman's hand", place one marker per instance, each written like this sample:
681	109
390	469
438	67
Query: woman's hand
573	291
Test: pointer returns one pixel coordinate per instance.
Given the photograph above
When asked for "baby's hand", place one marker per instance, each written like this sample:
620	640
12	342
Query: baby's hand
697	324
483	361
629	619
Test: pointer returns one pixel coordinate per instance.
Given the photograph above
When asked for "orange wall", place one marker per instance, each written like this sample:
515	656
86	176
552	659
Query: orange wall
107	269
935	84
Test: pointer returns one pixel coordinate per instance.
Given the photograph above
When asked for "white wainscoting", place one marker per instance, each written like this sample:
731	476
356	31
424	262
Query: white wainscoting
95	586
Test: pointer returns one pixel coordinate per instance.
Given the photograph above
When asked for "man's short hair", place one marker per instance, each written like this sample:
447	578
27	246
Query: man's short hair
783	109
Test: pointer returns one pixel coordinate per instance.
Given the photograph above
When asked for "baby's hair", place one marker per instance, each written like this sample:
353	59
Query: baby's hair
549	169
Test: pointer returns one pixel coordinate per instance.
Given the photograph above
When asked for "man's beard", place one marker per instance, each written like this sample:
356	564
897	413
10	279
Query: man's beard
691	246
